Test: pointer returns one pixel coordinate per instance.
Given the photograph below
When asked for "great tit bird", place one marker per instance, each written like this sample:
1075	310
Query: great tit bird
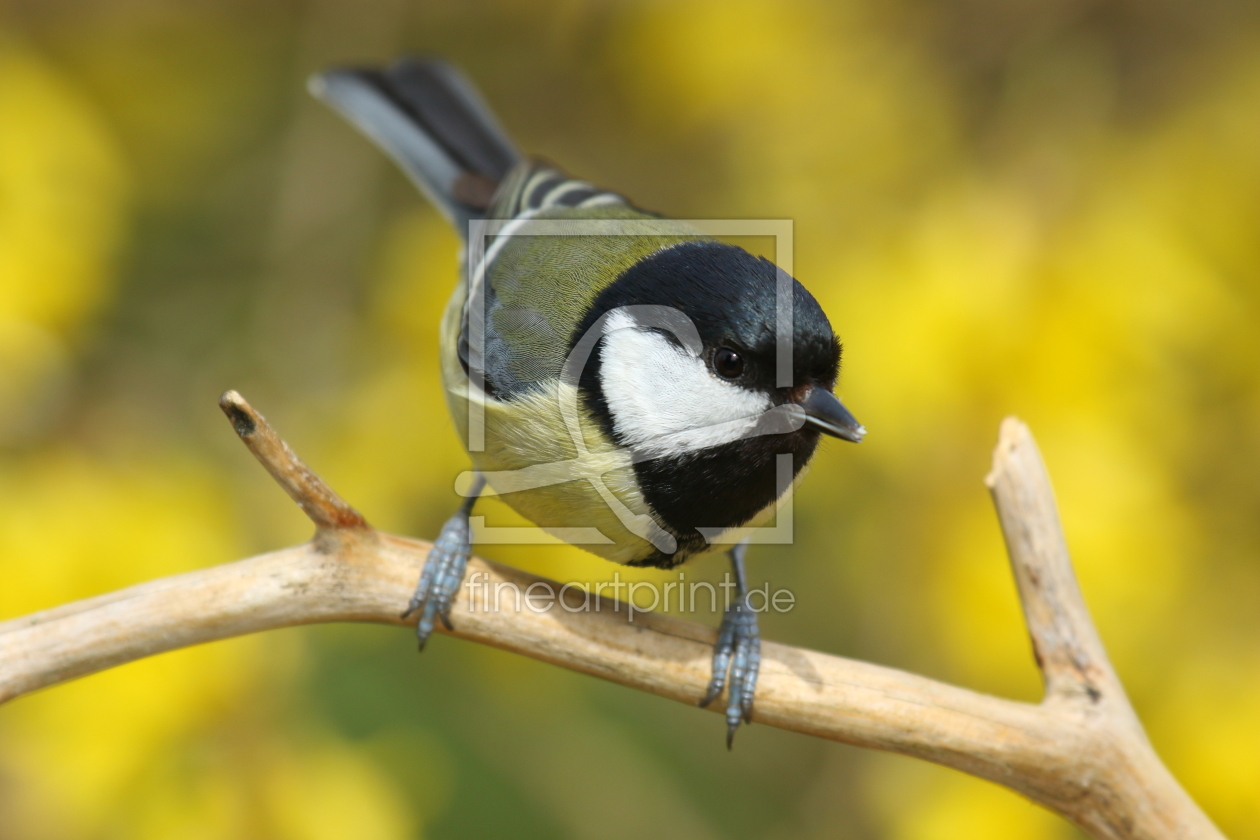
617	378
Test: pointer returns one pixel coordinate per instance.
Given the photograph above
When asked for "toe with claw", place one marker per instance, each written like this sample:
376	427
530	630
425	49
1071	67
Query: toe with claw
737	655
443	571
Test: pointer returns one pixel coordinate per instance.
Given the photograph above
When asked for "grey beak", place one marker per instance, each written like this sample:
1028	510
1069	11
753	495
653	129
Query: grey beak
829	415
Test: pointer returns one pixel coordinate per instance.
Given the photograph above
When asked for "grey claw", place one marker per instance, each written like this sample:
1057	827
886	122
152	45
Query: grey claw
442	575
737	650
722	650
750	683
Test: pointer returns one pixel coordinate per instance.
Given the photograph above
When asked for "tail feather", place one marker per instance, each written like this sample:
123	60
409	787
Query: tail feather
431	121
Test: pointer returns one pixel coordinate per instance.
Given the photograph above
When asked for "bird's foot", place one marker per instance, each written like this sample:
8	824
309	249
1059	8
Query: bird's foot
738	649
442	575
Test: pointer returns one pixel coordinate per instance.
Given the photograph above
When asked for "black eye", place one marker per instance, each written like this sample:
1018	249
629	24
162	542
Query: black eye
728	363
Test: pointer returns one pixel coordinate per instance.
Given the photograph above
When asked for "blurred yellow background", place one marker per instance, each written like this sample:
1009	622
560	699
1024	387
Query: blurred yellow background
1041	207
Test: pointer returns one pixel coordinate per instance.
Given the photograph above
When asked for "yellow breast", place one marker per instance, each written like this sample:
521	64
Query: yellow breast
543	454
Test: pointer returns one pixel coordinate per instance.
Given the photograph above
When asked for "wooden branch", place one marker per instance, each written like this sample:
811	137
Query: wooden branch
1115	786
324	507
1081	752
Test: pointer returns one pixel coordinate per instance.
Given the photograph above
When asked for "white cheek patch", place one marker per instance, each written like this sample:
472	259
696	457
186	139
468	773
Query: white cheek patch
665	401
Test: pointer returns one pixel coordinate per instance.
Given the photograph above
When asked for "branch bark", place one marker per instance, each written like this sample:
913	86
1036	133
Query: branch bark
1081	752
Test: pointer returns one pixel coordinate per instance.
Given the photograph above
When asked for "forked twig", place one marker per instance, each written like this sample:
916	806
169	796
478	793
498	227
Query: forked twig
1081	751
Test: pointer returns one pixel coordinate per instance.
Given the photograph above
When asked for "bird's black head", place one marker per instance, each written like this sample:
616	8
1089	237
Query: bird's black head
686	374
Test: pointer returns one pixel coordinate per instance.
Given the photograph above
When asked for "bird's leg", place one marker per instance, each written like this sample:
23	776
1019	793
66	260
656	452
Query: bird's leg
738	649
444	568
